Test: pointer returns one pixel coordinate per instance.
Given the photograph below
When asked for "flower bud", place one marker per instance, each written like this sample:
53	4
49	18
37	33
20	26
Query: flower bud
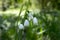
30	16
21	26
35	21
26	23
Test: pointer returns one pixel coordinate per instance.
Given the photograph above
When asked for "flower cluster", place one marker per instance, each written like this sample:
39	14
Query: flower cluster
26	22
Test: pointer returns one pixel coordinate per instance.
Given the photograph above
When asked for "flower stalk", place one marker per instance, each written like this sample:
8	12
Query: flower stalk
16	28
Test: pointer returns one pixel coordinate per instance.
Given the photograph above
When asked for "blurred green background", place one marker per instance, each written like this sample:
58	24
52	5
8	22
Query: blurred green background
15	12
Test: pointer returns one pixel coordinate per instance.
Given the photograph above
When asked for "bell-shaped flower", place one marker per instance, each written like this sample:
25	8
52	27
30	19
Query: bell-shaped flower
30	16
21	26
35	21
26	23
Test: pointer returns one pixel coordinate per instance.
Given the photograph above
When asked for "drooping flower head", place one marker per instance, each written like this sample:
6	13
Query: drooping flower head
26	23
30	16
21	26
35	21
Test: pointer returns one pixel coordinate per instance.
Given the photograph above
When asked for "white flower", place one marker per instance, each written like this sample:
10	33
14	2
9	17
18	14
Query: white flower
30	16
21	26
35	21
26	23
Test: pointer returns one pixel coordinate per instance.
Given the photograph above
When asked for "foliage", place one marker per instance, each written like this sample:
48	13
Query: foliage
44	25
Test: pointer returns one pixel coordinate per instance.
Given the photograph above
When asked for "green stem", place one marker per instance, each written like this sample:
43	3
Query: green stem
20	35
19	14
17	24
20	32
